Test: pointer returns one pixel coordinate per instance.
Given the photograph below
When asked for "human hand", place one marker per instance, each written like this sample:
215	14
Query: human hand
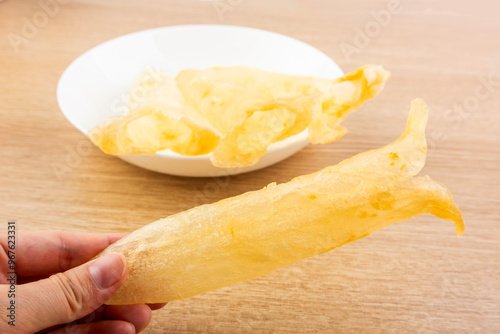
58	291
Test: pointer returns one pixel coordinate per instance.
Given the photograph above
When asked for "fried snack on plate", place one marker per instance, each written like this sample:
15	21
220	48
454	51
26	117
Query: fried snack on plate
265	122
230	98
158	119
216	245
235	112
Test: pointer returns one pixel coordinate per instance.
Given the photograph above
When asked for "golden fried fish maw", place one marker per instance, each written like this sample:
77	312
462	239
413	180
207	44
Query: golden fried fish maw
228	96
216	245
234	112
264	123
341	97
158	119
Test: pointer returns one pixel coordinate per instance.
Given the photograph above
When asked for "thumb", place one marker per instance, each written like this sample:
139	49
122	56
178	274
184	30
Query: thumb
65	297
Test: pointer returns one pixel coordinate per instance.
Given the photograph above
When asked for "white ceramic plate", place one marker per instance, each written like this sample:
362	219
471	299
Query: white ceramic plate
96	84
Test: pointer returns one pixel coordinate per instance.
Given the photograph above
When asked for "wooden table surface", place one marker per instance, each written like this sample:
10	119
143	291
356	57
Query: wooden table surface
412	277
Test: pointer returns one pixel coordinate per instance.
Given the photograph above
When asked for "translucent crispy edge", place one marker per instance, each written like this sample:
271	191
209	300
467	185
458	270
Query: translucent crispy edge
112	131
325	126
228	154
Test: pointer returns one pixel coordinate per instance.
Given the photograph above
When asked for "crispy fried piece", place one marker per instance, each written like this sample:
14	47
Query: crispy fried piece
158	119
235	112
230	98
224	95
264	123
341	97
216	245
150	130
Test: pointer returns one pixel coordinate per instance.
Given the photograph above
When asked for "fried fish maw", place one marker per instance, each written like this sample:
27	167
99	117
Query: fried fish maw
150	130
235	112
158	118
216	245
264	123
240	102
341	97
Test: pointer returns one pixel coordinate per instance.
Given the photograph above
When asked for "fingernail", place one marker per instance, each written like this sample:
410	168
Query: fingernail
107	270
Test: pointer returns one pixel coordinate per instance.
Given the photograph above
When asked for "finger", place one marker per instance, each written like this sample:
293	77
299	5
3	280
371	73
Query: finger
155	307
71	295
101	327
45	252
139	315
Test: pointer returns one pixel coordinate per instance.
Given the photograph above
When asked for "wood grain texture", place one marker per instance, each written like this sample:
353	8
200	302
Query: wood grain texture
415	276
